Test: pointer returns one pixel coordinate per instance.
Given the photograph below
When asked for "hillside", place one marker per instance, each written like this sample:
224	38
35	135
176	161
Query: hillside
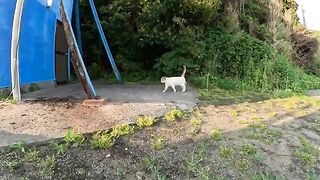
238	44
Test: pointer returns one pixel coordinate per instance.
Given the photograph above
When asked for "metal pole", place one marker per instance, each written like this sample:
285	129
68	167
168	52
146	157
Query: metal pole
78	25
15	79
104	41
304	17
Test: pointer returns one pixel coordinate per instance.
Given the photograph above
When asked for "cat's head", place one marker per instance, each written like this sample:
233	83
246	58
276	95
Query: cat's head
163	79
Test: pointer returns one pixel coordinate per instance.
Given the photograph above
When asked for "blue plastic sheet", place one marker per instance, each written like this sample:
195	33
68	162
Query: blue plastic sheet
6	20
37	40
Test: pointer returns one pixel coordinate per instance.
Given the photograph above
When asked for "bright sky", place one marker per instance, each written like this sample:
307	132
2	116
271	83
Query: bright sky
312	13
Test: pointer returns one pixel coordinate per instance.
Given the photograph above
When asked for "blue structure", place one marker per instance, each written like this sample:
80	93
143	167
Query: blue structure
38	46
37	40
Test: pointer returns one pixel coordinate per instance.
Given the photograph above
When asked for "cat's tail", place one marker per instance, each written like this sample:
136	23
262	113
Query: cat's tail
184	71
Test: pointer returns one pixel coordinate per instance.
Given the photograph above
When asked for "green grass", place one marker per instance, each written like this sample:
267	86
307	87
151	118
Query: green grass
151	164
306	158
47	166
195	159
308	153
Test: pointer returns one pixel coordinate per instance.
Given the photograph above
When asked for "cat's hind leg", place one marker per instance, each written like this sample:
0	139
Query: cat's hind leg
184	88
174	88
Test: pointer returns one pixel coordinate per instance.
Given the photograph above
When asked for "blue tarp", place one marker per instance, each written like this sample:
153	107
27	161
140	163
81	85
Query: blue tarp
37	40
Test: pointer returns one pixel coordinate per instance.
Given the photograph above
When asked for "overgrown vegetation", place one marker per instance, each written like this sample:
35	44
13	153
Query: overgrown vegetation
250	44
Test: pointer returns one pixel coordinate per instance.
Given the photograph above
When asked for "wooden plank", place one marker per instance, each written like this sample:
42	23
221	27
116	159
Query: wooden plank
15	79
76	57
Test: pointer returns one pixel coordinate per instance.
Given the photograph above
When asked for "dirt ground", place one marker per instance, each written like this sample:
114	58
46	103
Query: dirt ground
269	139
41	120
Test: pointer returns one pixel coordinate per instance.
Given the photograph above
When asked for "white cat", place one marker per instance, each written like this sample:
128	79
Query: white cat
175	81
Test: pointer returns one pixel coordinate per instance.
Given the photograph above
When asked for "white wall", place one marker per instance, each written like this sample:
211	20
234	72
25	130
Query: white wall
312	13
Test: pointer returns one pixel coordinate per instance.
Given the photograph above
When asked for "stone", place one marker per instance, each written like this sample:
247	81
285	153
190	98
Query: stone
94	102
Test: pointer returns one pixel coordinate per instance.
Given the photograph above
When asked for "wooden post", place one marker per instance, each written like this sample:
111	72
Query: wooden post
15	79
76	57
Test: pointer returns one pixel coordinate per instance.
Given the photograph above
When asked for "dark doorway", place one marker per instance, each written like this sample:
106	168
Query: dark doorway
61	55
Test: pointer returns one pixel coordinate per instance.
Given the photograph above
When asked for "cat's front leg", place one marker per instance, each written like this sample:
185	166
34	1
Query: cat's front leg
165	88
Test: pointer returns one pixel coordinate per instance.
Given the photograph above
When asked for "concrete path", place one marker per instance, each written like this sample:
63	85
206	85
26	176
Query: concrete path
314	93
120	93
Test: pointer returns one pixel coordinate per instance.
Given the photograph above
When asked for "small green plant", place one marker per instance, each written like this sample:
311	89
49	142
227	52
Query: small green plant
193	162
13	165
145	121
234	113
226	152
20	146
102	140
272	115
34	87
151	164
121	130
316	124
259	126
72	138
267	176
306	157
173	115
31	155
60	149
195	121
194	130
216	135
158	143
243	165
248	149
47	166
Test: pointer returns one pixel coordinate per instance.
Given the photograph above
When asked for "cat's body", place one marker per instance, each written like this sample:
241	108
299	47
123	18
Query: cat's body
175	81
